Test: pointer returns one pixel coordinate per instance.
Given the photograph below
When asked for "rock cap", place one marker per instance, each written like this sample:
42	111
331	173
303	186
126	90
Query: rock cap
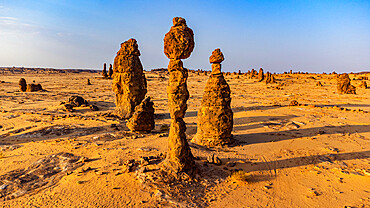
217	56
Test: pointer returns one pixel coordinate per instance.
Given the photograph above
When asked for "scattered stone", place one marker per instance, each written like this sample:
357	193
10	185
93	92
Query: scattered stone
68	107
319	84
22	85
215	117
143	117
94	107
88	82
294	103
129	83
212	159
178	44
344	85
77	101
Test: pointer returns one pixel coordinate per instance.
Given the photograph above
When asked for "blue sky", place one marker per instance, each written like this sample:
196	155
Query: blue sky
302	35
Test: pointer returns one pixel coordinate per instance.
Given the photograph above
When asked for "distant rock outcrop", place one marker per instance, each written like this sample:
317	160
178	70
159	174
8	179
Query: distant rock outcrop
22	85
143	117
110	71
261	76
104	72
129	81
178	44
344	85
270	79
215	117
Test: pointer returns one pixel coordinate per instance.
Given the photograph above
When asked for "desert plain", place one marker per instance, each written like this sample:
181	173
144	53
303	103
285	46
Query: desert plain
312	154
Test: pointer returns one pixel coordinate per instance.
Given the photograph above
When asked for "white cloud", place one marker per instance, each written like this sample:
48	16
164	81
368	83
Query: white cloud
12	25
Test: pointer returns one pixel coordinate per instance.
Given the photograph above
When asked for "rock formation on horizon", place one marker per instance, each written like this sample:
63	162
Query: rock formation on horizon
270	79
143	118
110	71
215	117
104	72
261	76
129	81
22	85
344	85
178	44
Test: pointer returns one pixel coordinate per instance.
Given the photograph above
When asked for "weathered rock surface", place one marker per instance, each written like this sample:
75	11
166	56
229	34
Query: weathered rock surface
22	85
179	41
344	85
143	117
129	81
363	84
178	44
261	76
215	117
33	87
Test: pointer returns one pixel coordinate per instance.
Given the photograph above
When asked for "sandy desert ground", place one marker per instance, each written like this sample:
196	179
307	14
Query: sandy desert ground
316	154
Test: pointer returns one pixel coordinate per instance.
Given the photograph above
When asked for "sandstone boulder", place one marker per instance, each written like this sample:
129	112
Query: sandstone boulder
143	117
344	85
33	87
179	41
22	85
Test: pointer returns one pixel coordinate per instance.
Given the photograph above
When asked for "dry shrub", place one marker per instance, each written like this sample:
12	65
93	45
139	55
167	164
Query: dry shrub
239	177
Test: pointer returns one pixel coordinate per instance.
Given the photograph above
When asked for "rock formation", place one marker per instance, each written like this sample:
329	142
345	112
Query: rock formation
215	117
129	81
143	117
363	84
33	87
104	72
319	84
110	71
22	85
270	78
260	75
344	85
178	44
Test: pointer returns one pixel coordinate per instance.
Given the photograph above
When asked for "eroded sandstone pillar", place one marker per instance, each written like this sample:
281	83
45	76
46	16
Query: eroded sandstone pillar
178	44
215	117
129	81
